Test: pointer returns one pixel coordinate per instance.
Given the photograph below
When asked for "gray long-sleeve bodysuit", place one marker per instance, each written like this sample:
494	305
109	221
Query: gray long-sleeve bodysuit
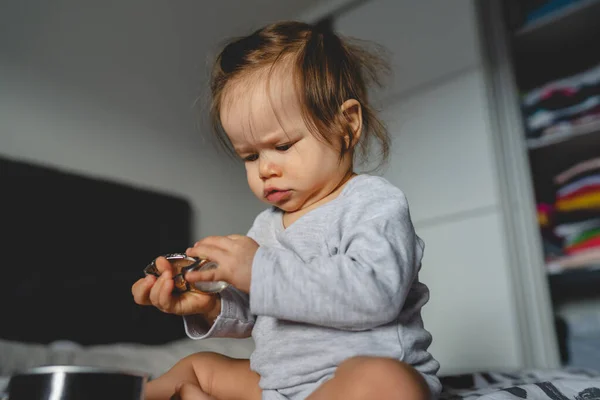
341	281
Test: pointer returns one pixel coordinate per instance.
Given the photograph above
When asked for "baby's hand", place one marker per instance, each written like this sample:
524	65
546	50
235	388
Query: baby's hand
233	253
158	292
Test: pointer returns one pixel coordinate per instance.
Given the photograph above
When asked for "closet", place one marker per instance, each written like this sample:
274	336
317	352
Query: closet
554	48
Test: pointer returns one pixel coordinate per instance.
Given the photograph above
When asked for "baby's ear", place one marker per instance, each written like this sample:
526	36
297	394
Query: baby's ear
352	112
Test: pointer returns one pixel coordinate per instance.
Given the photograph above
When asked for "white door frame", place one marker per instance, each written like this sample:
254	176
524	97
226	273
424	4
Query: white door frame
529	278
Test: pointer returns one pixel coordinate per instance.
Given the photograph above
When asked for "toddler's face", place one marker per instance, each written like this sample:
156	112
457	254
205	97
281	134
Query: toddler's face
286	165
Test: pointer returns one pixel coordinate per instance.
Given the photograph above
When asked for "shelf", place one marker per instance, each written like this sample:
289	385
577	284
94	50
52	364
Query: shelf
587	129
576	283
579	271
548	159
568	12
559	154
560	45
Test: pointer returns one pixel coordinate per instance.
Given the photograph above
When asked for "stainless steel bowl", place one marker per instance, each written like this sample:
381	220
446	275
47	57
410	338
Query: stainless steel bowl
61	382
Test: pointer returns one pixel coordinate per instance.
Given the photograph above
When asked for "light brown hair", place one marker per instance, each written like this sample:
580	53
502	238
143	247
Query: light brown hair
328	71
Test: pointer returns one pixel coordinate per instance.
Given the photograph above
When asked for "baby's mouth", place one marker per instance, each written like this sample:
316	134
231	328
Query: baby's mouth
276	195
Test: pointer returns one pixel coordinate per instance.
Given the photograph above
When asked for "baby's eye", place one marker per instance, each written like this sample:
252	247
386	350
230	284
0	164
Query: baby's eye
284	147
251	157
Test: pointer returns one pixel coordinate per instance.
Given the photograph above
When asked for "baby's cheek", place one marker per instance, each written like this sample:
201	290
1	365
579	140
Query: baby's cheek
255	184
251	174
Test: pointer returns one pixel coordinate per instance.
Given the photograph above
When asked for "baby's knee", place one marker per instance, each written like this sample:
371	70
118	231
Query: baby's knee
205	366
384	378
204	358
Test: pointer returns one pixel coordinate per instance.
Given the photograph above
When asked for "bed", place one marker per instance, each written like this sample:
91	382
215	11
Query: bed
560	384
77	243
575	384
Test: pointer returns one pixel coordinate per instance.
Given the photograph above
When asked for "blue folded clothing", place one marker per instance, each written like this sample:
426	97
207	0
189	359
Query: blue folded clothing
548	7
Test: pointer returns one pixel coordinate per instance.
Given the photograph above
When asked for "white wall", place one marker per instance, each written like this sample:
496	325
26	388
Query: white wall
443	159
107	89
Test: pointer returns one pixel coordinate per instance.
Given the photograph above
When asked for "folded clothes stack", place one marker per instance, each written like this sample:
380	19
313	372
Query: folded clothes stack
575	215
535	10
562	106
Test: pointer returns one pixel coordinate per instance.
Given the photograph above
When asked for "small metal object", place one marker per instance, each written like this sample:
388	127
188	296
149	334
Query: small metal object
182	263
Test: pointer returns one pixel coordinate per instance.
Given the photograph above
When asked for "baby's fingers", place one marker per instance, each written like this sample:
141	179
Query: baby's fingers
205	276
161	289
141	290
166	299
163	265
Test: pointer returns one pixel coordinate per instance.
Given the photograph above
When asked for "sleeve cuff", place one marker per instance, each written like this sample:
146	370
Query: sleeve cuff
229	323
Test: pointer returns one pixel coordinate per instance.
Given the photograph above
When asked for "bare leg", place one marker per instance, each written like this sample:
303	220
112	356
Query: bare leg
216	375
373	378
